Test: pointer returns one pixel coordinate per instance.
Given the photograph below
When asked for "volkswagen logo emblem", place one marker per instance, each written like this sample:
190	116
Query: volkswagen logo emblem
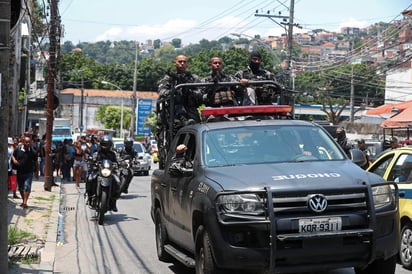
317	203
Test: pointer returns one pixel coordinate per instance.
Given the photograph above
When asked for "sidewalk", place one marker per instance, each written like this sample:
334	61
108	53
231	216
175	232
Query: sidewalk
40	219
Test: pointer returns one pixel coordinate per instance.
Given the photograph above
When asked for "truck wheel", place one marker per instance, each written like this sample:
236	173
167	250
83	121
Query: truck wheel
205	263
405	248
161	238
379	266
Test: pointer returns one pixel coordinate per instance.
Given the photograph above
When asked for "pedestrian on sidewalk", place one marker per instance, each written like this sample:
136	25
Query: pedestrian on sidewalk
12	180
25	160
78	162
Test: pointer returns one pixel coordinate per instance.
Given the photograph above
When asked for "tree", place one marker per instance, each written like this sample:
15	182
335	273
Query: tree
331	88
177	43
150	71
156	44
110	116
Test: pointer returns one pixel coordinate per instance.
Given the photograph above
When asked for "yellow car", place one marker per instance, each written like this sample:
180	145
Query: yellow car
155	157
396	165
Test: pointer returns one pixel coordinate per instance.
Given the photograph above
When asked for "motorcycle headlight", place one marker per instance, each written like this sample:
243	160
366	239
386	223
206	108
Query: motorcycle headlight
382	196
241	203
106	172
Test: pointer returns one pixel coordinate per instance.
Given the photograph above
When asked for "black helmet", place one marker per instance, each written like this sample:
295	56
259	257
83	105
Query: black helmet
106	143
128	143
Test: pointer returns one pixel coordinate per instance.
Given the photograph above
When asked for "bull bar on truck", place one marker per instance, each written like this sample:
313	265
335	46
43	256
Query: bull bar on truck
270	218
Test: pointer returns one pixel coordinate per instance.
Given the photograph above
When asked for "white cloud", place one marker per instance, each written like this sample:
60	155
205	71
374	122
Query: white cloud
110	34
144	32
353	23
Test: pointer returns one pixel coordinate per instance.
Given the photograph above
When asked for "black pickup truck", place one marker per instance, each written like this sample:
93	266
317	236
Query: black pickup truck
266	194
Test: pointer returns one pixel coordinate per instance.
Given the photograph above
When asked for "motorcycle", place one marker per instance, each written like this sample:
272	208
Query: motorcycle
125	173
100	187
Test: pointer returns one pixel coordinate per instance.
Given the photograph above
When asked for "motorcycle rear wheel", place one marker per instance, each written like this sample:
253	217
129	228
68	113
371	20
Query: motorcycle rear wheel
102	209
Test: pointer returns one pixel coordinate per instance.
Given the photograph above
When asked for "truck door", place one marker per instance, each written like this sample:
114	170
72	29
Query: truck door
180	193
172	208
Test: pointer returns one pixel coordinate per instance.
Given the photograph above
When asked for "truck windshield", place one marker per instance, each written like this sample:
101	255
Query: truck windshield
265	144
62	132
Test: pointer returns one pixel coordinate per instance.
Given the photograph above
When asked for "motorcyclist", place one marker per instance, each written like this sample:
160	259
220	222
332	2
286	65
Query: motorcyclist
131	153
105	151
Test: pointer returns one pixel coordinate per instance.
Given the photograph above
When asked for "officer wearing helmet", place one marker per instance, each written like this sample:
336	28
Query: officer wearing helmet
106	152
128	148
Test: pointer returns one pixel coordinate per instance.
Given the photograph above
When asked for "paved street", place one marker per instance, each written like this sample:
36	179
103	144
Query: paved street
124	244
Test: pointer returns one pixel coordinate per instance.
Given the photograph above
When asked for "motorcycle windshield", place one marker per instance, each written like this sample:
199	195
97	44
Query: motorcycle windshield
107	163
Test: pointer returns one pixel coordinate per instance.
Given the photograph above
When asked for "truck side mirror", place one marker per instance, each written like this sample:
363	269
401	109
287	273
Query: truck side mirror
177	170
358	157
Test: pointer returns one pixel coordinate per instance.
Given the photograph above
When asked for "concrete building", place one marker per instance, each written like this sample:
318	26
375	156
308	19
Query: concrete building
71	106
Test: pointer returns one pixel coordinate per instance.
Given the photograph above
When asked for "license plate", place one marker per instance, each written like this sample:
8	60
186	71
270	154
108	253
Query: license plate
320	225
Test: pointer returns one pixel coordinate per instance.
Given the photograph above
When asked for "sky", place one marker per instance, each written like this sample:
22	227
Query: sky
191	21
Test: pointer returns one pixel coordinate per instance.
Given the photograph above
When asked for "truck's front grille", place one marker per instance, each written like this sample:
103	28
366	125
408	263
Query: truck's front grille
296	204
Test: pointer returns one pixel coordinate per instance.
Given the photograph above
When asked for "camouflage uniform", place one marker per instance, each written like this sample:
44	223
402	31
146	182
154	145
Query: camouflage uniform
186	101
259	95
223	96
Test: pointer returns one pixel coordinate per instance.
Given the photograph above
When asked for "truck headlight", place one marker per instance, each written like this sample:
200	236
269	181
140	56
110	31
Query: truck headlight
240	203
382	196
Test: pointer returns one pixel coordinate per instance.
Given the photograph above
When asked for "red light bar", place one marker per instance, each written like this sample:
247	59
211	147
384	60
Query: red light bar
246	110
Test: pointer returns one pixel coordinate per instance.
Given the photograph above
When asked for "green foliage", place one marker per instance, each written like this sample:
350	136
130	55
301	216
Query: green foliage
177	43
114	62
16	235
39	26
151	121
110	116
22	96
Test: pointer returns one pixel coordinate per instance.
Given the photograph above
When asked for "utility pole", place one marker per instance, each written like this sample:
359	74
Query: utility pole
290	41
352	98
5	15
134	99
289	31
81	126
51	76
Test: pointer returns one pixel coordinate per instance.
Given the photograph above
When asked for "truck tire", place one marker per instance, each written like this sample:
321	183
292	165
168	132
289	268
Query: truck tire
161	238
379	266
405	246
205	263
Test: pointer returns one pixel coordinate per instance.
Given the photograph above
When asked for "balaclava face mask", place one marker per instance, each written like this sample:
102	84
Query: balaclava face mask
254	66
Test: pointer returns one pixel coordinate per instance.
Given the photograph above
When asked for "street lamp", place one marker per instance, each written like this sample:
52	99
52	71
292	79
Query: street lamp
122	106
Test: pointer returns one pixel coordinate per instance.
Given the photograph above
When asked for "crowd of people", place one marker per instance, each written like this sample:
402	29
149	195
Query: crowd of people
26	160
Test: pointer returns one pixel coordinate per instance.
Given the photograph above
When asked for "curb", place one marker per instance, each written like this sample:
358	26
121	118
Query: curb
47	256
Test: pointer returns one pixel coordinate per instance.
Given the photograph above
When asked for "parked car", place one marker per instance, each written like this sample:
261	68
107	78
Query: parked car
396	165
143	163
374	147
